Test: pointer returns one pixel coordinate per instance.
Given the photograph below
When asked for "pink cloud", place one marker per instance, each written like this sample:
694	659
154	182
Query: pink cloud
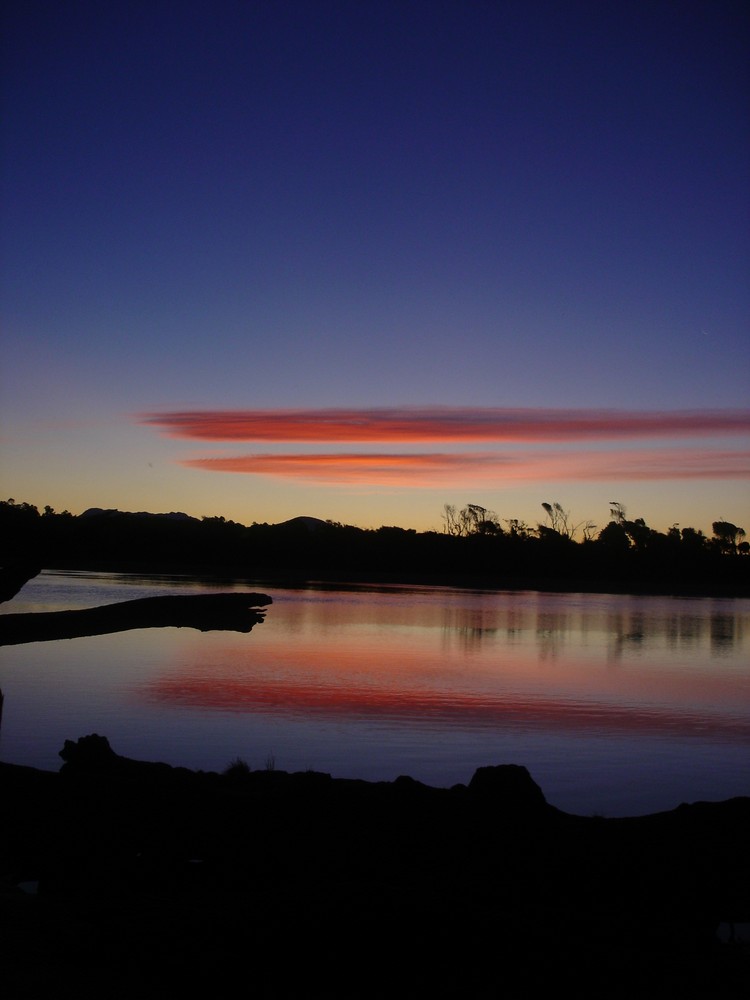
436	469
444	424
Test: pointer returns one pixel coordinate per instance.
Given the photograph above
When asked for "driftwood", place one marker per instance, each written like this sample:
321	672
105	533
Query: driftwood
206	612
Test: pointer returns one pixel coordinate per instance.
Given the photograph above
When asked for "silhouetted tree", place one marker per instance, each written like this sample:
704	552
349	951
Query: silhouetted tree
518	528
481	520
617	511
558	518
450	518
473	519
559	521
588	531
614	537
638	532
728	536
692	539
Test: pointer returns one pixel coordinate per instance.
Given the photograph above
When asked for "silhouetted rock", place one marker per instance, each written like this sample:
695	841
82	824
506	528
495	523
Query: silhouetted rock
91	751
509	785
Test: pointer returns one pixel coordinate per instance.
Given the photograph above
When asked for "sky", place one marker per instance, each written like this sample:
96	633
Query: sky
357	260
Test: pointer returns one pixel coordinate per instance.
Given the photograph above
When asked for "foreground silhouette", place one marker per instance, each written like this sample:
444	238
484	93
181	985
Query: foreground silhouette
206	612
153	880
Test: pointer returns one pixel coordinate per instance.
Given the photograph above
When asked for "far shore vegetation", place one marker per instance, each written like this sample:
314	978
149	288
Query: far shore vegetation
473	548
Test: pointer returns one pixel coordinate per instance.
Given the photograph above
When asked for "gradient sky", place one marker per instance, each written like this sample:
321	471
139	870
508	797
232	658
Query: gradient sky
357	260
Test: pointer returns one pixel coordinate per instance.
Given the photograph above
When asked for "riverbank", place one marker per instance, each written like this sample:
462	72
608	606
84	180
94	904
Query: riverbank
624	557
414	577
131	876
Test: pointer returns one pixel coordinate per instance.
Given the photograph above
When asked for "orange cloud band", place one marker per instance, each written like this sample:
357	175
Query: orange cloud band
436	469
470	424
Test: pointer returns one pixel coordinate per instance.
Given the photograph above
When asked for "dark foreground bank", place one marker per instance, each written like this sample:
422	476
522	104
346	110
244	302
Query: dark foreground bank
152	880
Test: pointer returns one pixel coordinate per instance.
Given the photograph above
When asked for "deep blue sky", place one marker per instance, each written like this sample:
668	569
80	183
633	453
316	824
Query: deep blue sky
313	204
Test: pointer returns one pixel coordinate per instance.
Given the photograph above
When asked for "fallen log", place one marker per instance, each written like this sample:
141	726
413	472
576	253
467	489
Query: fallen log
205	612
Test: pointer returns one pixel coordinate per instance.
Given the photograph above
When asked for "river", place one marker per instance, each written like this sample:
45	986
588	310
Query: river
618	705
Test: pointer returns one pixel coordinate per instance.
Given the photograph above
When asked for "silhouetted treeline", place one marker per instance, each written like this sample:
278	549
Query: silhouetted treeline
624	555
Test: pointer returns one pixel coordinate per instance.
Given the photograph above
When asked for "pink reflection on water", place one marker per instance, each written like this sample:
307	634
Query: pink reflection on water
553	663
355	702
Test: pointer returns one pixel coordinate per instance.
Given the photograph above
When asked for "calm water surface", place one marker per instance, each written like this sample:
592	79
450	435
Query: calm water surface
618	705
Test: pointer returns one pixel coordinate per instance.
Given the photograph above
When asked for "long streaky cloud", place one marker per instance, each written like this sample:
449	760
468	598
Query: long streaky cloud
437	469
445	424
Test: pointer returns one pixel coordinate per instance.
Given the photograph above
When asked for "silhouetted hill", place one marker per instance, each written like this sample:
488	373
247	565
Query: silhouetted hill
310	523
114	512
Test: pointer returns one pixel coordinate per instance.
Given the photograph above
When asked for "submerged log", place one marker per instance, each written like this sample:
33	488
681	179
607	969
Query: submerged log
206	612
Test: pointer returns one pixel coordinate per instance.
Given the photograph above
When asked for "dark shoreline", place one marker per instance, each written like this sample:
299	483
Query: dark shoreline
335	580
160	878
625	556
